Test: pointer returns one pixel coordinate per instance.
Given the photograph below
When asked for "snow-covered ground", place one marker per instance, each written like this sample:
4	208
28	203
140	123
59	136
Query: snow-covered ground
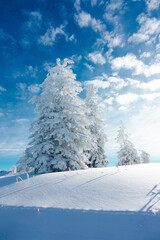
108	203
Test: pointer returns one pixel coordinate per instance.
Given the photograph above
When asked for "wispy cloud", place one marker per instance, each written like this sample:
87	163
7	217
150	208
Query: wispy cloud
28	71
85	19
145	55
34	20
113	10
98	83
131	62
109	100
149	28
77	5
153	85
34	88
8	43
114	82
94	2
2	89
6	36
112	39
117	82
128	98
21	120
90	67
96	57
152	4
25	92
49	38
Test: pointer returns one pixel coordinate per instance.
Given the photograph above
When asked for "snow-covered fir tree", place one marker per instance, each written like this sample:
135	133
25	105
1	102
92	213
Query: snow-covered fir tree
144	157
127	154
59	135
96	155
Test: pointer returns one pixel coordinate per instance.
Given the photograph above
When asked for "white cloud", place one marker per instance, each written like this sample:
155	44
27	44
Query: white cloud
98	83
112	12
21	120
49	38
152	4
34	88
123	108
94	2
25	92
72	38
2	89
22	91
109	100
113	38
114	5
77	5
29	71
145	55
90	67
48	65
34	21
151	85
21	86
127	62
150	96
1	114
6	36
137	66
84	19
149	27
25	42
96	58
127	99
118	82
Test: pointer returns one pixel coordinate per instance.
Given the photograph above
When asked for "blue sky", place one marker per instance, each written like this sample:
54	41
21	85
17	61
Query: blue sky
115	46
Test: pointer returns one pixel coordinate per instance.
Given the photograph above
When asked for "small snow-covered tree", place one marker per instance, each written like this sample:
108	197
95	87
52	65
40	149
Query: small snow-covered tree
59	135
127	154
144	157
96	155
14	169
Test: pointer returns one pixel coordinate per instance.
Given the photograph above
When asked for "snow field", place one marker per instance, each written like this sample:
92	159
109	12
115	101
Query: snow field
131	188
95	204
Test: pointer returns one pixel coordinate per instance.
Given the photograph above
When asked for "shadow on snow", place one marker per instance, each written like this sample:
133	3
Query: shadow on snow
62	224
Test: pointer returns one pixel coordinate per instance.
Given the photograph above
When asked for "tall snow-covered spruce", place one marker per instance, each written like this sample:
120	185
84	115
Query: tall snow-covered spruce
96	155
127	154
60	134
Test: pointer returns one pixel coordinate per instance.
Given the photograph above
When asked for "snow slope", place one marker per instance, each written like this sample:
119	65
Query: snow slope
93	204
136	188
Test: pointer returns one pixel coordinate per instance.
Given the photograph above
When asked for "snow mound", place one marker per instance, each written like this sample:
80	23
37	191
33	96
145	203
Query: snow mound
131	188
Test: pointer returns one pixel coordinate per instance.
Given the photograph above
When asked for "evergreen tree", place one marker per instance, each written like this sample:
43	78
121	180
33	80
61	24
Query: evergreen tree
96	155
127	154
59	135
144	157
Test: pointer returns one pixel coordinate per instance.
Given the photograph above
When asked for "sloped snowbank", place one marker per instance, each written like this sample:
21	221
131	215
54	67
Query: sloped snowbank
135	188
